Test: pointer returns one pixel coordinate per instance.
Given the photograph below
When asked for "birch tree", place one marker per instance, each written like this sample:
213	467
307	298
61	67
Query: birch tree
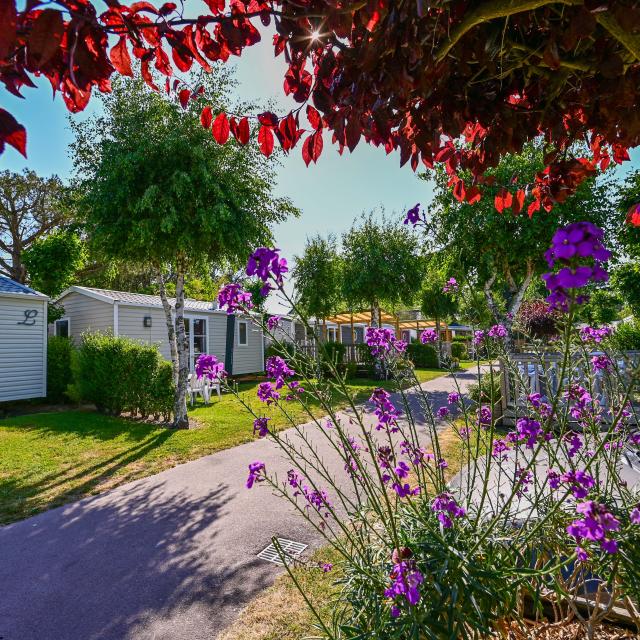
156	189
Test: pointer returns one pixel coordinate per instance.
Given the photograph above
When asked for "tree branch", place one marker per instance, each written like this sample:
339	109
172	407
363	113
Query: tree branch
630	42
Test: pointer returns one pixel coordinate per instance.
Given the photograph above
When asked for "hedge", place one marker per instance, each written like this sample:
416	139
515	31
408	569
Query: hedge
459	350
423	356
626	336
59	375
121	375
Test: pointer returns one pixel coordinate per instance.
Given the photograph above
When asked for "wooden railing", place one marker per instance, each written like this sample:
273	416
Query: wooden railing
542	375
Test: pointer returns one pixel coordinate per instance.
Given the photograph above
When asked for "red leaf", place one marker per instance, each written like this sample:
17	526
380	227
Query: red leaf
503	200
518	202
314	117
241	133
181	58
13	133
120	58
8	20
474	195
46	36
220	128
306	151
146	74
268	119
443	154
206	117
459	192
533	207
352	132
167	8
184	96
265	140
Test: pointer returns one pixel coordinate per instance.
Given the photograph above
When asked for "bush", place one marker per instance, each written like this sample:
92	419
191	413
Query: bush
59	375
423	356
626	337
459	351
488	388
120	374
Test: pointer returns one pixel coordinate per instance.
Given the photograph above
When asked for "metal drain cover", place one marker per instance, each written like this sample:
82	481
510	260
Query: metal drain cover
289	548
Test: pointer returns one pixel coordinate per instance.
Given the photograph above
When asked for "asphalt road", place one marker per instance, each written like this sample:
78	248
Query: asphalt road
171	556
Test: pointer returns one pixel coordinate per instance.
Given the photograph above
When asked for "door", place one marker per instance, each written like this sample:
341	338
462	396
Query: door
196	329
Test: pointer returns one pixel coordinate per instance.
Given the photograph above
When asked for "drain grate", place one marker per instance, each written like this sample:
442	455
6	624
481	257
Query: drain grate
290	549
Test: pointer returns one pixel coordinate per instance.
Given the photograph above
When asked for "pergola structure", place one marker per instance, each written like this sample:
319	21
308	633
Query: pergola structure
352	318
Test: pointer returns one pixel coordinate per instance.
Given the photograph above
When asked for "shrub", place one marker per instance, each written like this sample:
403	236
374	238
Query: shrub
59	375
120	374
537	320
423	356
626	337
459	351
487	388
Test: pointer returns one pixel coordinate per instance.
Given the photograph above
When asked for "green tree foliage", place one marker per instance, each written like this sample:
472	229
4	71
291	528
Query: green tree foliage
318	277
381	265
603	307
54	260
156	190
628	194
30	208
501	253
625	279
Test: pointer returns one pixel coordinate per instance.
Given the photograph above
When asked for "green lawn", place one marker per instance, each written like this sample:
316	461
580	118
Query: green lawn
48	459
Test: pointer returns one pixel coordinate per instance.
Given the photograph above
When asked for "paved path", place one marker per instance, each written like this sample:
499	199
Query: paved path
171	556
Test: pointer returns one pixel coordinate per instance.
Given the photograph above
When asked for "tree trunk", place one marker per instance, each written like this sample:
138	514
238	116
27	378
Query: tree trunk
375	313
171	329
438	343
180	418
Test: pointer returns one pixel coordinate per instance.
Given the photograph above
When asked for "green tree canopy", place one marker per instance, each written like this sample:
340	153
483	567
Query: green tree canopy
382	265
318	277
628	194
155	189
501	253
625	279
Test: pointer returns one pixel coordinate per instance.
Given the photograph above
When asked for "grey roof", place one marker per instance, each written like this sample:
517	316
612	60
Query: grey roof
148	300
7	285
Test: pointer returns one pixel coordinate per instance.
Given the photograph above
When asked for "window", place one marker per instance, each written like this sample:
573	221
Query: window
196	330
242	334
332	334
62	328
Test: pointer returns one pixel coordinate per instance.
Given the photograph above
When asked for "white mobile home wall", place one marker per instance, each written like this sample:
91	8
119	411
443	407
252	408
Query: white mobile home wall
23	347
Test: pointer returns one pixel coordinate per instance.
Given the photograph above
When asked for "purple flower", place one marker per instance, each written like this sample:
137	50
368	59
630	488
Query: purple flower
402	470
429	336
500	448
326	567
233	297
404	490
267	265
484	416
267	393
453	397
554	478
572	246
385	411
580	482
382	341
294	390
209	367
522	480
405	582
261	427
446	508
528	430
596	522
497	331
581	554
316	499
413	215
478	337
273	322
575	443
602	363
450	286
255	470
594	335
442	412
278	369
634	516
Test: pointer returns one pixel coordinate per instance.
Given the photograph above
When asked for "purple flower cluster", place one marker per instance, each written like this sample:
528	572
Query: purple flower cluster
209	367
571	246
267	265
498	331
596	522
478	337
446	508
594	335
443	412
385	410
583	407
450	286
500	449
279	370
580	482
453	397
429	336
261	427
405	583
484	416
414	216
256	473
528	431
404	489
522	481
273	322
267	393
544	409
634	516
602	363
382	341
233	297
316	499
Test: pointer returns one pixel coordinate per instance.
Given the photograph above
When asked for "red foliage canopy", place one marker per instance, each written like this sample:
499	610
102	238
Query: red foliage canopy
448	81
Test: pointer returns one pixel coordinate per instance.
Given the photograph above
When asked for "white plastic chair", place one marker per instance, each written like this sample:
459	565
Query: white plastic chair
197	386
